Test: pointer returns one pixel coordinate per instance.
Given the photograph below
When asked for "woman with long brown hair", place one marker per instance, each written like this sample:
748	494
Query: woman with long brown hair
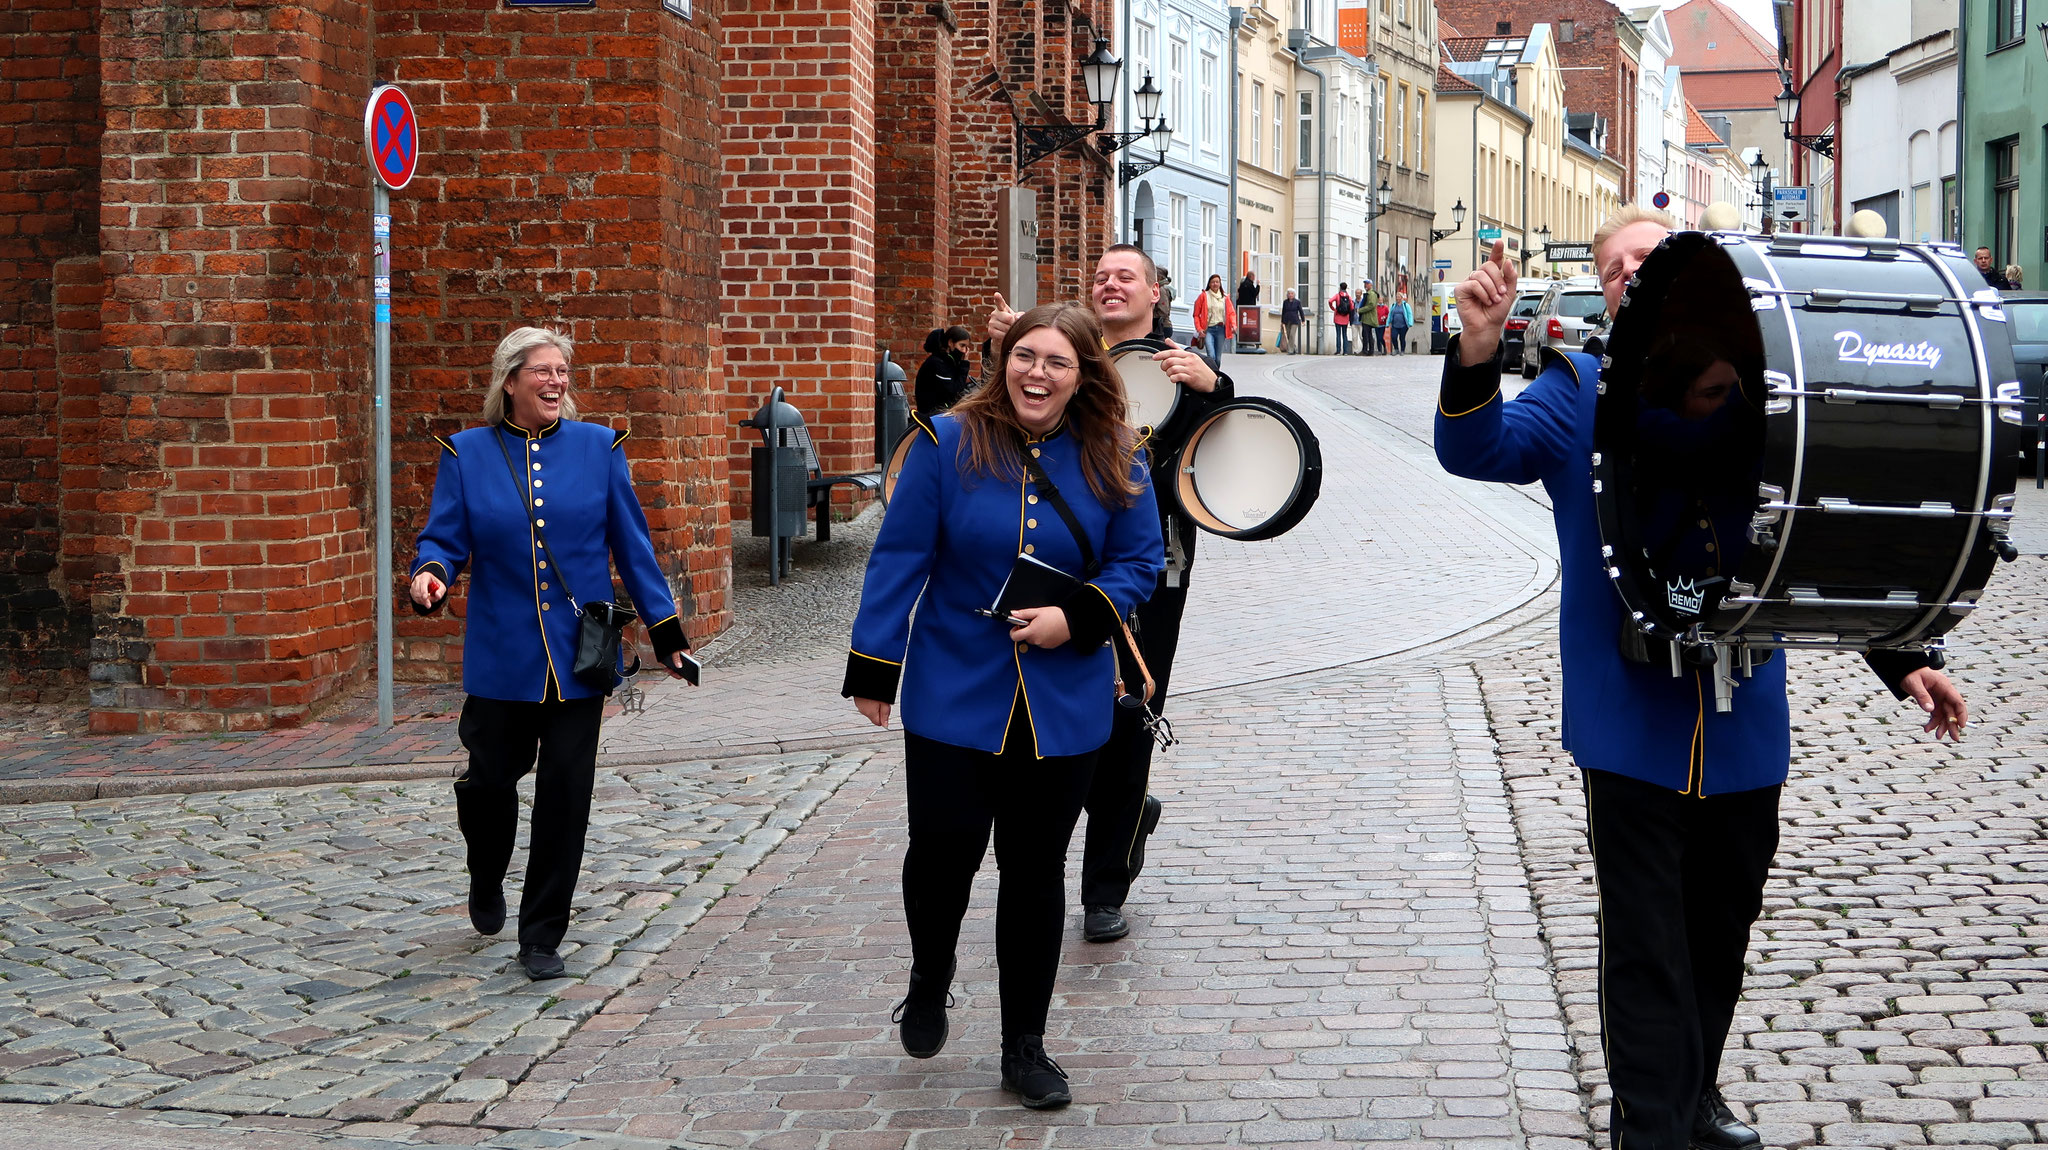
1003	716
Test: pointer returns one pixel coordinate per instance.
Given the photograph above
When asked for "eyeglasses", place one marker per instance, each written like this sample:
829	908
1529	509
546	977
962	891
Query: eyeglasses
1023	360
545	372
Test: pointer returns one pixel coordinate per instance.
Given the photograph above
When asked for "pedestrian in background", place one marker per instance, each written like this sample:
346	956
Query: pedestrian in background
534	474
1248	291
1214	322
2013	275
1003	721
1367	304
1993	274
1341	308
1380	312
1399	320
1290	325
943	378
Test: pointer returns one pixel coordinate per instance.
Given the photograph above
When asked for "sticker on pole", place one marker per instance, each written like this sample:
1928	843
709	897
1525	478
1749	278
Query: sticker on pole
391	136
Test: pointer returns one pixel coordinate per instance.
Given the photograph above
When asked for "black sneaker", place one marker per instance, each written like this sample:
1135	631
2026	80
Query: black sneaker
1103	924
922	1016
1036	1079
541	962
486	906
1715	1126
1148	821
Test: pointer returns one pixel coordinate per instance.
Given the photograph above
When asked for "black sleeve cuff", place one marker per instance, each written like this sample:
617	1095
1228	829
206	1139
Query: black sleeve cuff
1894	666
1090	618
1225	390
447	587
870	678
668	638
1467	389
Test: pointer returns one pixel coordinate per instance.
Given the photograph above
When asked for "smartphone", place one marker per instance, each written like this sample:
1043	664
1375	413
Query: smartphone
1012	620
690	668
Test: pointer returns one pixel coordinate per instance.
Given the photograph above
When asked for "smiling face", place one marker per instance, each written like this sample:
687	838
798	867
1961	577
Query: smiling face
1041	375
537	387
1622	254
1122	298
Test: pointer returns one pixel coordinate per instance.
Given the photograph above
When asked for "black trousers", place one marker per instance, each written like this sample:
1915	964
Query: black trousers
957	796
1116	799
1681	880
503	739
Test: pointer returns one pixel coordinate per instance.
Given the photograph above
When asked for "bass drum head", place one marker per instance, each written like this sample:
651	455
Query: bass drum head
1150	398
897	454
1252	469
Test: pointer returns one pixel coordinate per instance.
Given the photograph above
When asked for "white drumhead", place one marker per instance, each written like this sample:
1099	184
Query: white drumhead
1247	467
1151	396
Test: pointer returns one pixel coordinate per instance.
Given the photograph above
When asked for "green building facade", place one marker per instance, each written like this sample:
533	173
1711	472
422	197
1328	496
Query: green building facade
2004	162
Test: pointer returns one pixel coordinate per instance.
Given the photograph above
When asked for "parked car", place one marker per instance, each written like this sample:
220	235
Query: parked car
1447	293
2026	318
1528	298
1570	310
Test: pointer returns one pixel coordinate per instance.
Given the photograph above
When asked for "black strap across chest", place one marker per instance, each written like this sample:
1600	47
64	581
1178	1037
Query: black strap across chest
1046	487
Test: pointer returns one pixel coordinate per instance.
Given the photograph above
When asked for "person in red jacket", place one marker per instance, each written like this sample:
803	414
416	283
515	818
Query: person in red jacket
1214	321
1340	309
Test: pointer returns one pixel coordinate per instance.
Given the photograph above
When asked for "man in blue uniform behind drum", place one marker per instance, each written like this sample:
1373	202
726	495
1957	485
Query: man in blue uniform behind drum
1681	799
1121	814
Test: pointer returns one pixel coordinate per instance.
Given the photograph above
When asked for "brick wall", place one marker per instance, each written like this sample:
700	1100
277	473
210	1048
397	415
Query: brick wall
49	189
914	78
565	182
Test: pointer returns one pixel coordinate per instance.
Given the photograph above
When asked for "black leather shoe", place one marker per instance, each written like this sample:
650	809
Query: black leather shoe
1148	821
1715	1127
541	963
1036	1079
922	1016
1103	924
486	906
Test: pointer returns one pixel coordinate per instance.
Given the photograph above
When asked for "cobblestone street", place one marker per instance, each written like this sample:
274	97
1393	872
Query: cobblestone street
1367	916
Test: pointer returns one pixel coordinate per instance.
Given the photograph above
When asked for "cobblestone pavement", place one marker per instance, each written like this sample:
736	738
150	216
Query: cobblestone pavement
306	952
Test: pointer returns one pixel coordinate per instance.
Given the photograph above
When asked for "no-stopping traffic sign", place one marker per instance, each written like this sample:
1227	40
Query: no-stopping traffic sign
391	137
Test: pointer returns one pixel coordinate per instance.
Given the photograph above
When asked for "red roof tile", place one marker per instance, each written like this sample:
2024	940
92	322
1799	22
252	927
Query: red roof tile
1736	45
1449	81
1698	132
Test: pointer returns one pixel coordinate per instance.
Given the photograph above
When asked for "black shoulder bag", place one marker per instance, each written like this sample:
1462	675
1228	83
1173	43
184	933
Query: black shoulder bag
1130	660
602	621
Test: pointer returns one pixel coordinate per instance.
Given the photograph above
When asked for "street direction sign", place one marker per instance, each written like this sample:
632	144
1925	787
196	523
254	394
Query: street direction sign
391	137
1443	263
1790	204
1488	234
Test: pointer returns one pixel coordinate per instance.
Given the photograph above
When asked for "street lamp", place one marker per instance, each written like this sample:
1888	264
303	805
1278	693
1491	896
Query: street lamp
1760	171
1788	114
1543	241
1436	235
1152	130
1382	195
1099	72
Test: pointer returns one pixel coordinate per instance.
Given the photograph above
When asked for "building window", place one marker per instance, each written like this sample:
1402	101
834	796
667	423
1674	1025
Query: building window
1279	142
1258	107
1251	254
1144	53
1208	267
1567	31
1211	117
1401	127
2005	201
1401	10
1379	119
1177	87
1301	267
1271	278
1951	211
2008	22
1176	245
1421	134
1305	138
1343	133
1503	27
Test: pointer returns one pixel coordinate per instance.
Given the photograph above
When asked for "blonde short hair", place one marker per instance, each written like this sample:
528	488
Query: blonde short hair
511	356
1624	216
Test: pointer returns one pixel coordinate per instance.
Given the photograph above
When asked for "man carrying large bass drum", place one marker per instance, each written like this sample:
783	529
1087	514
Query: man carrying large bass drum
1243	468
1727	484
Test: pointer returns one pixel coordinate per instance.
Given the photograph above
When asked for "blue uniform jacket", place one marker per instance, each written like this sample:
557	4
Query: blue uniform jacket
1629	718
945	548
520	641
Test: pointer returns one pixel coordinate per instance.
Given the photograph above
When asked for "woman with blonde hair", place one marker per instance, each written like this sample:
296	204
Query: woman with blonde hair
538	507
1003	716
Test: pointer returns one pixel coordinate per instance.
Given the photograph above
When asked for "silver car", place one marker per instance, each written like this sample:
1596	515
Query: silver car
1572	310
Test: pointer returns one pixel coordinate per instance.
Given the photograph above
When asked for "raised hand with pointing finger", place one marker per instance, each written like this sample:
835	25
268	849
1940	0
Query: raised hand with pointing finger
1000	319
1483	302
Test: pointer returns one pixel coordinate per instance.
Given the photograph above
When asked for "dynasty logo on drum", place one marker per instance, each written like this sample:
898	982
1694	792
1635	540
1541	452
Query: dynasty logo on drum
1851	348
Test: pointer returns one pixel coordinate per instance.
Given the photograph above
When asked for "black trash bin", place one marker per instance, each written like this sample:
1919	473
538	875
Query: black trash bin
892	408
781	474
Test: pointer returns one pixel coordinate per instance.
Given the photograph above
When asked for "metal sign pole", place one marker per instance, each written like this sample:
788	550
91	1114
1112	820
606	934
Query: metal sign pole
380	233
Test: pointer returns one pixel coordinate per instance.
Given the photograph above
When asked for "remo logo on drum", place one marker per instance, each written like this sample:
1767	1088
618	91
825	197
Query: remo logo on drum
1850	348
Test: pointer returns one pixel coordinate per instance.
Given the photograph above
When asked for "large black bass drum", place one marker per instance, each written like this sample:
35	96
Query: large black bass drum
1803	441
1251	469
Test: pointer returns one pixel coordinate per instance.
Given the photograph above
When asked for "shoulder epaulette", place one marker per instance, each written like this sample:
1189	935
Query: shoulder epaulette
919	419
444	442
619	437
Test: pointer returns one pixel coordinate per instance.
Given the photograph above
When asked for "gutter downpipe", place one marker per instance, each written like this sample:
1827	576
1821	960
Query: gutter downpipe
1322	183
1123	191
1962	130
1236	123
